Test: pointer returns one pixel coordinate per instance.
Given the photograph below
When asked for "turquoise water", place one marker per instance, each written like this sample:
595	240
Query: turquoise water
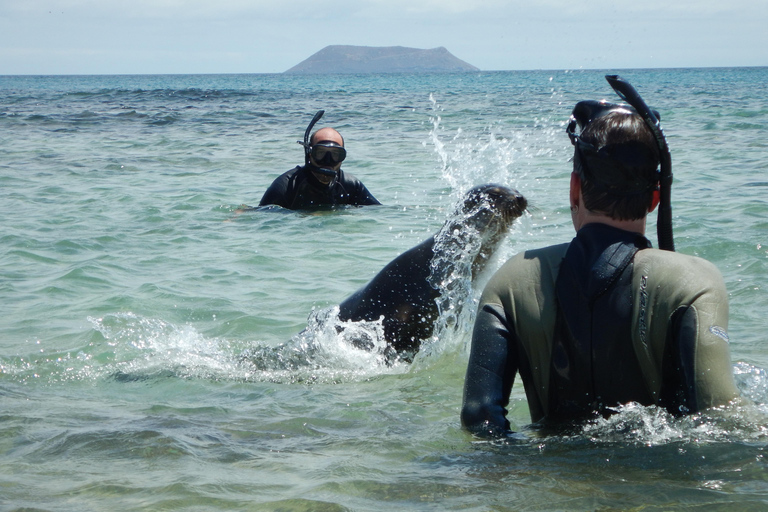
150	356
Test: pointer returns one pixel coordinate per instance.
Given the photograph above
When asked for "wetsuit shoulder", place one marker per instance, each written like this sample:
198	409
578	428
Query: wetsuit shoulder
534	271
357	193
280	191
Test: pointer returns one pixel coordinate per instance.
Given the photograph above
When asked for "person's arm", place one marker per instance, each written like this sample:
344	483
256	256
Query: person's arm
490	373
366	198
278	191
362	196
359	195
697	369
274	195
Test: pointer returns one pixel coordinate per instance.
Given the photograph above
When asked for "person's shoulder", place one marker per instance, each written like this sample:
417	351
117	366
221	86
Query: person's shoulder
532	268
288	174
347	177
676	273
549	256
277	190
350	179
675	263
550	252
285	177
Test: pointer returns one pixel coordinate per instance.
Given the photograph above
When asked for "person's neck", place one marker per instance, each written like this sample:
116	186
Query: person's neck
633	226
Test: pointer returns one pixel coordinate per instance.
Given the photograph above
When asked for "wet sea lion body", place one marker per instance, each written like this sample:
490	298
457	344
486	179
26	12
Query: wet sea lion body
405	293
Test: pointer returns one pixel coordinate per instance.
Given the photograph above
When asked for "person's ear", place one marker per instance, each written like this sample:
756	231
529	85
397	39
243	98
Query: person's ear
655	200
575	189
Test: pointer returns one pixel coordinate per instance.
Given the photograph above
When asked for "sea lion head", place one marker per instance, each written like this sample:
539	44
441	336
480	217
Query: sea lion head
491	209
481	220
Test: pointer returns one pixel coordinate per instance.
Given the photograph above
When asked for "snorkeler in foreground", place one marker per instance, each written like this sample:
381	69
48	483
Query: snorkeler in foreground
605	319
320	181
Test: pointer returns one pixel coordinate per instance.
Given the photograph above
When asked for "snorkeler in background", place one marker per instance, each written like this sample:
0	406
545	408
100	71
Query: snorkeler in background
320	182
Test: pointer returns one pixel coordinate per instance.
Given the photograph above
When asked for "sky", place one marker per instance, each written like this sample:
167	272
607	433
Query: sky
50	37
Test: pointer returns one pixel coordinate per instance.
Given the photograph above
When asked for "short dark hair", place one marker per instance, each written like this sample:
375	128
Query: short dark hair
616	136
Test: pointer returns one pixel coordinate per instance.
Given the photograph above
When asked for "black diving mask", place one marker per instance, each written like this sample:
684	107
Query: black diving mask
327	153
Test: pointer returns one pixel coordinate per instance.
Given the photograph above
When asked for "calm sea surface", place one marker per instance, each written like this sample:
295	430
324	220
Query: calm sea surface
150	355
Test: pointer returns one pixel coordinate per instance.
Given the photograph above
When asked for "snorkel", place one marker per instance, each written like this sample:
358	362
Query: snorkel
664	222
626	182
307	146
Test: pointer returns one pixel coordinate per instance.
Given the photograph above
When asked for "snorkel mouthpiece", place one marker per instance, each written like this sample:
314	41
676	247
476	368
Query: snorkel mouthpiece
325	171
664	223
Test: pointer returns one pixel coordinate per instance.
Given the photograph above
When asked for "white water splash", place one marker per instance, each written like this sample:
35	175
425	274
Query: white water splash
328	350
635	424
456	247
469	159
144	347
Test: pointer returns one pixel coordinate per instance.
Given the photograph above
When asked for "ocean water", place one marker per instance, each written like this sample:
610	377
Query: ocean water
161	349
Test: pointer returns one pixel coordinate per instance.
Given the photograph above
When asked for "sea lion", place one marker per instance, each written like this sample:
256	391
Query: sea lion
405	293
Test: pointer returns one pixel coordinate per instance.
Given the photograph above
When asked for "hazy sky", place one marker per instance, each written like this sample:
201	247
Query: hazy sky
270	36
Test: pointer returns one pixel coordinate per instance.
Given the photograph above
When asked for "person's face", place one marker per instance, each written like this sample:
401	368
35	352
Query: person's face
326	135
322	178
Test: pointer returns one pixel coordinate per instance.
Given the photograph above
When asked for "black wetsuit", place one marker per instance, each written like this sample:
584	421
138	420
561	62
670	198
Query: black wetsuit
298	189
602	321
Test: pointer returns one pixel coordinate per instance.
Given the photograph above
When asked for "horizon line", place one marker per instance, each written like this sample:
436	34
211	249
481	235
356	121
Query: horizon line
558	70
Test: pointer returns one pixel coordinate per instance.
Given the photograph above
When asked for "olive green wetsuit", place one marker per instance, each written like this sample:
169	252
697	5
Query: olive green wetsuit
602	321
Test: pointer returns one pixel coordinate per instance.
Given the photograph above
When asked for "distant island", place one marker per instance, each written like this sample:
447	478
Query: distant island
381	59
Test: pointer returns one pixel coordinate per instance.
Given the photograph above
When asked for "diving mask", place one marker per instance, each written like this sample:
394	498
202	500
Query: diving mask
327	153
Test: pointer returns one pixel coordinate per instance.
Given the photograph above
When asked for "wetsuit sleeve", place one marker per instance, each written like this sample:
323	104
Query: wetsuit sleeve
697	369
280	189
275	194
490	373
365	197
685	352
358	193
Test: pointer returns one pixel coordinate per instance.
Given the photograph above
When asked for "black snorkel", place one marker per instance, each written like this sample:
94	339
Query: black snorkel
664	222
307	146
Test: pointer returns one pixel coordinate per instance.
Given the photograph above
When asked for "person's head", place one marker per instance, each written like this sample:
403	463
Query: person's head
616	159
326	153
